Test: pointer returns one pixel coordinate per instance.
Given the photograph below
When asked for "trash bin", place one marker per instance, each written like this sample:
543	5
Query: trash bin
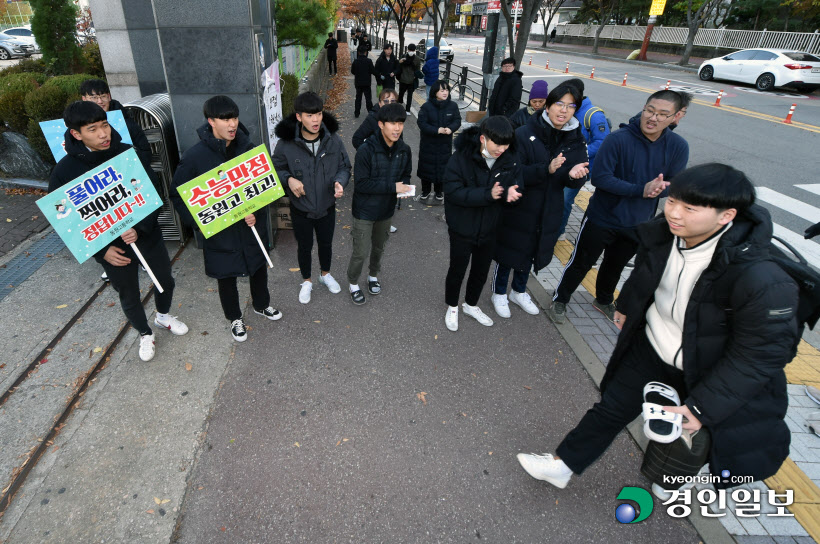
153	114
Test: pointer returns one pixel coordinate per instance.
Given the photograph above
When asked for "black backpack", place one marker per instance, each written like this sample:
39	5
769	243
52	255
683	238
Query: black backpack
806	278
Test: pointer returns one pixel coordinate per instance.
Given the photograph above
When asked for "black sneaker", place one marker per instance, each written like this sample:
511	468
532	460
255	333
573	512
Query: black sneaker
557	312
238	330
374	287
270	312
424	196
440	197
358	297
607	309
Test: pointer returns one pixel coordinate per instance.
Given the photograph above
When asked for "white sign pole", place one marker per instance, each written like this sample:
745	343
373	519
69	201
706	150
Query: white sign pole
262	246
147	268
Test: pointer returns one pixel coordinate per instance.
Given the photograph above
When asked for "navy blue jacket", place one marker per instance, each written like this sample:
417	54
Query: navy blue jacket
376	171
434	148
625	163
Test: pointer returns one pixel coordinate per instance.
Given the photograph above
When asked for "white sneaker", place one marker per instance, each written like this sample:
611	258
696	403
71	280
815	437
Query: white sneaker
304	292
475	312
524	301
147	348
331	284
546	468
172	324
451	318
104	277
393	229
501	305
238	330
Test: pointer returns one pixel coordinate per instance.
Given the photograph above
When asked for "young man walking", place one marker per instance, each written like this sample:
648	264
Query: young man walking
233	252
381	171
409	66
632	170
332	46
89	142
311	160
707	313
363	70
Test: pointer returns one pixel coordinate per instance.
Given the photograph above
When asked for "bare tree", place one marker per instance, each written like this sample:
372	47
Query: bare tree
437	10
548	9
605	10
695	18
402	11
518	42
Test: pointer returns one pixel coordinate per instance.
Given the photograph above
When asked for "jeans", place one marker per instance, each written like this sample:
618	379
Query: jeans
569	199
303	229
617	245
462	251
125	281
502	274
621	403
369	237
229	294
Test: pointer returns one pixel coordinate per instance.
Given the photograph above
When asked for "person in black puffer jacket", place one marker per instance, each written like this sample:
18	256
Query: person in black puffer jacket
553	155
482	175
363	70
707	313
90	142
438	120
506	96
233	252
387	66
370	125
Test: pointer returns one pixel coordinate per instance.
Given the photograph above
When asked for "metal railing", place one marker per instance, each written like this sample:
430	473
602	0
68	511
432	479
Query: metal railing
719	38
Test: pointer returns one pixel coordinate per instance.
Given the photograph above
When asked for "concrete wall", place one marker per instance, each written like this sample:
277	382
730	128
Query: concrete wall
115	48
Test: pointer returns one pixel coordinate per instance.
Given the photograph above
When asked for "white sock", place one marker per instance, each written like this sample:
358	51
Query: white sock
162	317
354	288
372	278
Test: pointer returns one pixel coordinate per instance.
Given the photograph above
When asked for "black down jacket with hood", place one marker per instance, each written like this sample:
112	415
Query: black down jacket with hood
232	252
434	148
738	335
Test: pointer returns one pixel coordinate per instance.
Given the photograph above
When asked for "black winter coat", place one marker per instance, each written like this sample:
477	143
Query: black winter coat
434	148
232	252
506	96
376	171
363	69
368	128
331	45
520	118
739	332
138	139
469	207
384	67
79	160
528	231
318	173
409	66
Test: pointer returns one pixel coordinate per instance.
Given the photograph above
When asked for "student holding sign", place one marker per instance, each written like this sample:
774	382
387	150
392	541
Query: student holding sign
312	163
90	142
234	251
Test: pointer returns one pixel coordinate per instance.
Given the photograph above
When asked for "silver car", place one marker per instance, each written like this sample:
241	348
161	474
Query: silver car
21	33
11	48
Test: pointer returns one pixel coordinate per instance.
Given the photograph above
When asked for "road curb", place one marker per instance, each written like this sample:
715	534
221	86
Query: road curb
710	529
20	183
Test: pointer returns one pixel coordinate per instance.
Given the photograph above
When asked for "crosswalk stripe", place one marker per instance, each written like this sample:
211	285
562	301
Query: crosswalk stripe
812	188
810	250
789	204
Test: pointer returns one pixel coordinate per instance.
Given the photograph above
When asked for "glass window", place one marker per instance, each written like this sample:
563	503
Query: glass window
799	56
765	55
742	55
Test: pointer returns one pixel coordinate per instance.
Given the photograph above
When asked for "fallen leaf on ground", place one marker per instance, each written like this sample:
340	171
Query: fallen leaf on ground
528	388
317	321
436	338
165	501
157	500
293	269
8	220
223	529
110	304
149	511
61	306
204	333
297	444
344	227
97	349
422	397
189	367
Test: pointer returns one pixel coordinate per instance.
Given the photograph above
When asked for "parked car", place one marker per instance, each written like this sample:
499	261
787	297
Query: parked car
766	69
22	33
12	48
445	52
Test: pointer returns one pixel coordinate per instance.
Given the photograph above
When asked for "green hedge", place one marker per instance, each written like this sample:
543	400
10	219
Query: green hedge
46	103
69	84
34	66
20	82
37	141
290	89
12	111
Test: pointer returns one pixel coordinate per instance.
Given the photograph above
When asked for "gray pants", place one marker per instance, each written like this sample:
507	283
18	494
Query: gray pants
368	237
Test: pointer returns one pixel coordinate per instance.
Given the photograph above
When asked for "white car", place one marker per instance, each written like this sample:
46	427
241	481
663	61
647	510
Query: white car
21	33
766	69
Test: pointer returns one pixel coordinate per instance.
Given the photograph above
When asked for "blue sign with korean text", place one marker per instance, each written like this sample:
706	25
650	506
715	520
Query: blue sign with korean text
97	207
54	131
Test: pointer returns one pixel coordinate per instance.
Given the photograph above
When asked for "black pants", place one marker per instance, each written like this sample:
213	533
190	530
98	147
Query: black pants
367	99
427	185
125	281
331	65
406	88
303	229
461	251
229	294
618	246
620	404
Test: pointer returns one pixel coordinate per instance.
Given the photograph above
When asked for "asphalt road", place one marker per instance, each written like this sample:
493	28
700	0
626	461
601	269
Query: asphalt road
746	131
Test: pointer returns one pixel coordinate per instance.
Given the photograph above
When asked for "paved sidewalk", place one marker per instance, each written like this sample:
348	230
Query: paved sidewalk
19	217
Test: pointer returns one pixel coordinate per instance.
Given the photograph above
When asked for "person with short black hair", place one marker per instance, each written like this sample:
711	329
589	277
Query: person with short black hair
707	313
382	169
632	171
505	98
439	118
331	45
312	163
89	142
386	67
482	175
370	125
364	71
553	155
409	66
234	251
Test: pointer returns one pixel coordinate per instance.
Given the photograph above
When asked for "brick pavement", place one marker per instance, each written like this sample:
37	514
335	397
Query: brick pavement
19	218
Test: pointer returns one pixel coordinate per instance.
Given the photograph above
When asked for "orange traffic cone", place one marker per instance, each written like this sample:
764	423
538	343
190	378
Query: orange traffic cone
789	116
624	83
720	95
